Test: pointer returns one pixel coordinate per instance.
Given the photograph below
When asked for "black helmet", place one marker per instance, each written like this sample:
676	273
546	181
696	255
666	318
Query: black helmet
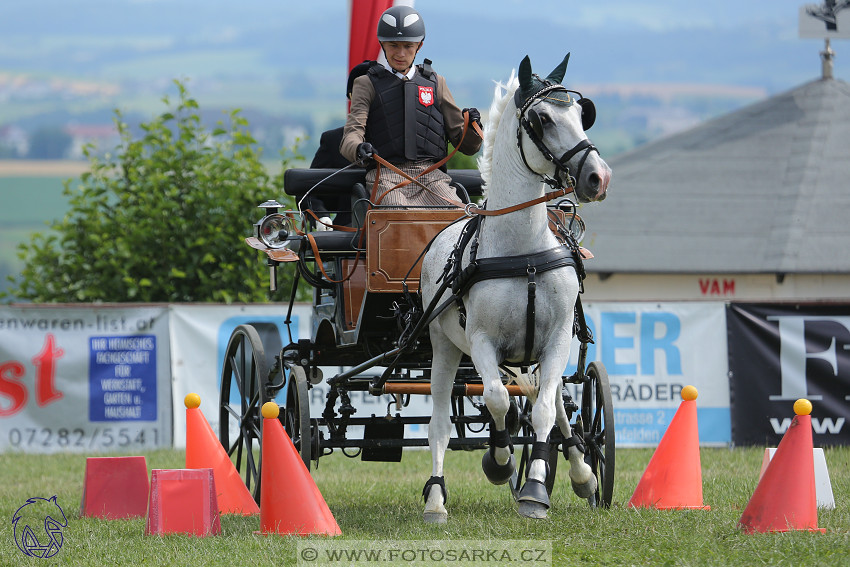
401	23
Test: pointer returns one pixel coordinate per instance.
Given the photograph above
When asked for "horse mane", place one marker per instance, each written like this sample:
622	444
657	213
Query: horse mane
503	94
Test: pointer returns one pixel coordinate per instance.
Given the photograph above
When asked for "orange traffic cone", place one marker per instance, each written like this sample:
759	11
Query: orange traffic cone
673	477
290	502
203	450
785	498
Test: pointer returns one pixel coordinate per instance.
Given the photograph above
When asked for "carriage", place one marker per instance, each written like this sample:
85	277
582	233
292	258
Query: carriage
369	336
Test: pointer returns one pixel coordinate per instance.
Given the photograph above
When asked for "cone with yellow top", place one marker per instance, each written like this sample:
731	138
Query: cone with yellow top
290	502
673	477
785	498
203	450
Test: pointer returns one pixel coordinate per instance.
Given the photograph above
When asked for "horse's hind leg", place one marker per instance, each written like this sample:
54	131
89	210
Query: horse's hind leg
581	474
446	358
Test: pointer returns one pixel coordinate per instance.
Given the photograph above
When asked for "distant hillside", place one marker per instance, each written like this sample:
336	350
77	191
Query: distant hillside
284	62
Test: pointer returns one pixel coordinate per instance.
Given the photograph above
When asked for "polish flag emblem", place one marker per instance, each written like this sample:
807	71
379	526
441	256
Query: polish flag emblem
426	96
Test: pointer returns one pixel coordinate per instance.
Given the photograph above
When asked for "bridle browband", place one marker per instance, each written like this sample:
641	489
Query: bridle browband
563	179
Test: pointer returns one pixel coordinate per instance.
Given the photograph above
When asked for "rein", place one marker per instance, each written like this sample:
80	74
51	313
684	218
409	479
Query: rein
408	179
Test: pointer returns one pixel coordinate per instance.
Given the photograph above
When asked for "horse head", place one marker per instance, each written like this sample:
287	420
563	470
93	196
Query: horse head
553	120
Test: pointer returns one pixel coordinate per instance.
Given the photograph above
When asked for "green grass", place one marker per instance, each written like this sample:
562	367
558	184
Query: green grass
381	501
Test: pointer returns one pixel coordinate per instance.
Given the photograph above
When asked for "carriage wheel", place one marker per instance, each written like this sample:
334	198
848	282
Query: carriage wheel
597	414
297	414
521	474
243	393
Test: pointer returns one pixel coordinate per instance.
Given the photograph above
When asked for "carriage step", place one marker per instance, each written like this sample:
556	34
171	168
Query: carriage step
382	429
424	388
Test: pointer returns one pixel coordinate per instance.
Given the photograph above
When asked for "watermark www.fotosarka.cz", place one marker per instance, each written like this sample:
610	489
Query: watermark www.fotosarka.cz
439	552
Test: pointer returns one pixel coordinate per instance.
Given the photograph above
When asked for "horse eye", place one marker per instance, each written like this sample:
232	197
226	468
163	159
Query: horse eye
544	118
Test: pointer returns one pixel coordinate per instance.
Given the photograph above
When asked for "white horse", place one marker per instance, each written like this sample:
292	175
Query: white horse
529	118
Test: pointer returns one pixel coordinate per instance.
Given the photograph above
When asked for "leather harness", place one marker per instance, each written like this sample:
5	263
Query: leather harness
528	266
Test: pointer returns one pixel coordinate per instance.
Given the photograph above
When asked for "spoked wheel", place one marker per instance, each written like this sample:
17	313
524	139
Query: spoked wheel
523	463
297	414
597	415
243	393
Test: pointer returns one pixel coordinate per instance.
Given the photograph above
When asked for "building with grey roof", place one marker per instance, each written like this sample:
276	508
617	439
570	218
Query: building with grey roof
753	205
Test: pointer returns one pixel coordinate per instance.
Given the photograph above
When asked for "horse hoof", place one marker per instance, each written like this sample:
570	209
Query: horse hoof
435	517
533	510
585	490
496	473
534	491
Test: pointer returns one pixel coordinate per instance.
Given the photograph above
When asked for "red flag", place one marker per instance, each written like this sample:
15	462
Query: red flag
362	39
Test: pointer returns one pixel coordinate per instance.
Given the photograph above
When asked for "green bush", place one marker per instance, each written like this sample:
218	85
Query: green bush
163	219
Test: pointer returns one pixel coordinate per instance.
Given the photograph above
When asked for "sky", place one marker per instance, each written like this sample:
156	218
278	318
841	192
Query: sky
751	43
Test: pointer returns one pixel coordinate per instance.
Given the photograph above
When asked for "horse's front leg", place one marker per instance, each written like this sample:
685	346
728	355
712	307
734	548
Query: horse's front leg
534	497
498	461
443	369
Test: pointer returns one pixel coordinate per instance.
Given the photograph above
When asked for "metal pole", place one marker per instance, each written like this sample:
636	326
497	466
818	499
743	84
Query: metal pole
826	56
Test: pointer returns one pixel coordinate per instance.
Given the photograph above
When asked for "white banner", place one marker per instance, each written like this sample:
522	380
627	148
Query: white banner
103	378
199	337
651	351
84	379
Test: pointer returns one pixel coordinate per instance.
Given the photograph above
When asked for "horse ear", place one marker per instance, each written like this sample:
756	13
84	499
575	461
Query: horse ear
524	75
557	74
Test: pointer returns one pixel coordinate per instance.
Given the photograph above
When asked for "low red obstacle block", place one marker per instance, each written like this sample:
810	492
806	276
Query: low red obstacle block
115	487
183	501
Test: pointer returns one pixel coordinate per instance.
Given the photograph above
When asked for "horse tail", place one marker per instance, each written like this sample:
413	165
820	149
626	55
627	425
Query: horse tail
528	381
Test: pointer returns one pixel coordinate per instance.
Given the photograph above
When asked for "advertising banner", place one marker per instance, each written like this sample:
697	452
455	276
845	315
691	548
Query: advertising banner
781	353
199	337
651	351
85	379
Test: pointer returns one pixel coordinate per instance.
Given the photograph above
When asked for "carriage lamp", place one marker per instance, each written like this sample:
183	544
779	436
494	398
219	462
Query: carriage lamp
274	230
270	206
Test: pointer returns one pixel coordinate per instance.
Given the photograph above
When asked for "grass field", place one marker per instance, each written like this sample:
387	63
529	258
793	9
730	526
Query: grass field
381	502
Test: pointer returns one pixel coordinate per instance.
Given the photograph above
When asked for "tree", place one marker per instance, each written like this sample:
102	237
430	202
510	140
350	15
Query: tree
49	143
163	220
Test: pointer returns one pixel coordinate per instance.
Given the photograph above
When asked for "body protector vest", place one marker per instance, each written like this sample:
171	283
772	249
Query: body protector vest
405	121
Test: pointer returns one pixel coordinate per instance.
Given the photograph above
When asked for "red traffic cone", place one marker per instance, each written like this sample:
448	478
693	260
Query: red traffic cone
290	502
673	477
785	498
203	450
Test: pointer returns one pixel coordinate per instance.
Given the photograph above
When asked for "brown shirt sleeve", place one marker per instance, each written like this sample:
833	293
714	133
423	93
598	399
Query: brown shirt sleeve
453	120
354	133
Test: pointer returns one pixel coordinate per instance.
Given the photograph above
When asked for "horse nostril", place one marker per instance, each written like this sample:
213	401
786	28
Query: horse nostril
594	180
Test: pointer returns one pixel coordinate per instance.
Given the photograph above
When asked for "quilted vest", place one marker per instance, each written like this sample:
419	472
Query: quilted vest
405	122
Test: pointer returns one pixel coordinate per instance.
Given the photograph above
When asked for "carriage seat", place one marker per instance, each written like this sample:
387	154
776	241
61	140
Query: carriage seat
297	182
351	183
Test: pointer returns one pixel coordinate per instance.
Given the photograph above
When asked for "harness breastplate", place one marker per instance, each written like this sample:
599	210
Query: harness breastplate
405	121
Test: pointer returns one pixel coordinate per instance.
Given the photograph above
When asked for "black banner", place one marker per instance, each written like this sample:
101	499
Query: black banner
779	353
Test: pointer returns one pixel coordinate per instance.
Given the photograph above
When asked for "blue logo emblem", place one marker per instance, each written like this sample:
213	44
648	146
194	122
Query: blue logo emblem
38	527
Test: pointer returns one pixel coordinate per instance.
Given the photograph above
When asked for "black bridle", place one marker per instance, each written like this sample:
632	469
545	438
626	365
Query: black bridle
562	178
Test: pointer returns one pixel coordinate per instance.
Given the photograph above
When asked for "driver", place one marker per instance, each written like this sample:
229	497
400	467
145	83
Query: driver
405	114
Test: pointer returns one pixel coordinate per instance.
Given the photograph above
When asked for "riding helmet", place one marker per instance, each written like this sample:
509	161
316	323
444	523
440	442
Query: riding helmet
401	23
